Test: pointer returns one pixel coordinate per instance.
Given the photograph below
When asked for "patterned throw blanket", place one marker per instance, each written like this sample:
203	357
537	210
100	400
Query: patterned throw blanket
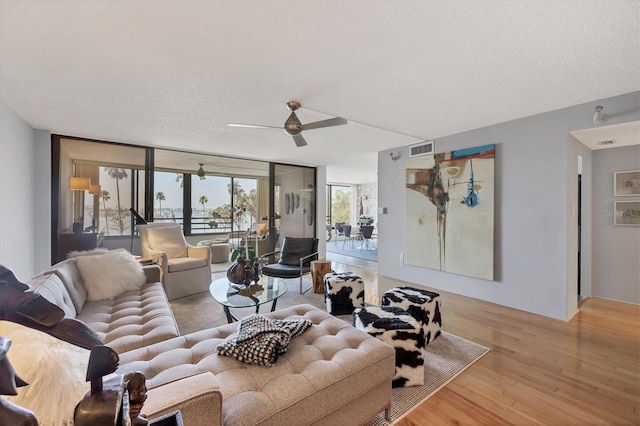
261	340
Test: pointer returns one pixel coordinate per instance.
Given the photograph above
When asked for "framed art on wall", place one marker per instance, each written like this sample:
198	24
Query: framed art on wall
450	211
626	183
626	213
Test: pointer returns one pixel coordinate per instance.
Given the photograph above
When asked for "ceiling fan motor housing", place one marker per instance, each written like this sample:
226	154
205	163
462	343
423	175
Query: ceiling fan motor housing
292	125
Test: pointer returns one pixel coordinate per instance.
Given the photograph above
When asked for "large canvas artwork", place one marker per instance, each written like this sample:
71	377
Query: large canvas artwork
450	199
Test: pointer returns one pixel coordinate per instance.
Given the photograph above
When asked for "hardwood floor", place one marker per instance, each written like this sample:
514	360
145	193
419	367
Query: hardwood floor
540	370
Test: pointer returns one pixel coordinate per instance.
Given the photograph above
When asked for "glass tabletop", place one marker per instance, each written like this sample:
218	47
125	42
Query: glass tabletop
231	295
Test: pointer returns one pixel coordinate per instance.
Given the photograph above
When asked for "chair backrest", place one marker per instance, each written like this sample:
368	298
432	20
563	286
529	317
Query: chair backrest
339	227
295	248
367	231
161	236
346	229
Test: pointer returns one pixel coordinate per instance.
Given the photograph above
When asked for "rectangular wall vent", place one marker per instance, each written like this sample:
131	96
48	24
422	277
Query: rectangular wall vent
422	148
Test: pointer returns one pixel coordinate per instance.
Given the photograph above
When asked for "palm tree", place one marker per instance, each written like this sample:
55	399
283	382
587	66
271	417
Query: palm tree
105	197
160	197
118	174
179	178
203	200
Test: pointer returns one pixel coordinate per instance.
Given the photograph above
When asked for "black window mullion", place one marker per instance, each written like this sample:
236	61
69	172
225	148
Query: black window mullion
186	204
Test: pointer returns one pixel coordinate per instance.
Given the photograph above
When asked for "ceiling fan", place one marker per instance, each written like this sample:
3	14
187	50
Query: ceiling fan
294	127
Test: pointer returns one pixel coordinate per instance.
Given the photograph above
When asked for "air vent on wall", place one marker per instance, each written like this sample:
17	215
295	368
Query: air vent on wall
422	148
606	142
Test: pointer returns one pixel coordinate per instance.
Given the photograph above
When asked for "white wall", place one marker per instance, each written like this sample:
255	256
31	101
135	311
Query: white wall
616	249
531	208
17	199
42	212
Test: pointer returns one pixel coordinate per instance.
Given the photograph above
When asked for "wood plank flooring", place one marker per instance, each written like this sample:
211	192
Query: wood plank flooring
540	370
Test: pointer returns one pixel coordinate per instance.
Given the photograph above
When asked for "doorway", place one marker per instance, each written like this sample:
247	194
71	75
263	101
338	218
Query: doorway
579	275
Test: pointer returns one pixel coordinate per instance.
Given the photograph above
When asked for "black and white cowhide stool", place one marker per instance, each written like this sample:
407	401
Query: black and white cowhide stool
397	328
423	305
343	293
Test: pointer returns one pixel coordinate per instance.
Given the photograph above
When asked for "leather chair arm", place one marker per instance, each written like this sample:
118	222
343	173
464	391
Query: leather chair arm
302	259
270	253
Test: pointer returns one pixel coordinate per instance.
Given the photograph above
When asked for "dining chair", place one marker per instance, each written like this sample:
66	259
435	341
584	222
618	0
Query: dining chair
346	230
367	234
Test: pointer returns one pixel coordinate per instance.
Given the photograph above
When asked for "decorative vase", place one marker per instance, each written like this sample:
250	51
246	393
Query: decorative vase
241	272
235	273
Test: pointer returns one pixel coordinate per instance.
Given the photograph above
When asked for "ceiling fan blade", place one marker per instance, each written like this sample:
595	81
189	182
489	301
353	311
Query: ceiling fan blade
253	126
299	140
338	121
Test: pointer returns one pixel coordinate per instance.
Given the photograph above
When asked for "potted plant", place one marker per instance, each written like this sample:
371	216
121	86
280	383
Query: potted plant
365	220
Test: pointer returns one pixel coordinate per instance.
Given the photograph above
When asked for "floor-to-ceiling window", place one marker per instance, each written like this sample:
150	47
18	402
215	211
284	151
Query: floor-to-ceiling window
339	204
209	195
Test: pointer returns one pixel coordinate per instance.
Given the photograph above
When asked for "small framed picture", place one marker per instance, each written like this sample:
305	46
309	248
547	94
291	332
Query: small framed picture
626	184
626	213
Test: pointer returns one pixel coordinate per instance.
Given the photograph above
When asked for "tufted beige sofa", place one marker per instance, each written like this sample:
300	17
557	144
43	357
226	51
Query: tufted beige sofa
132	320
331	374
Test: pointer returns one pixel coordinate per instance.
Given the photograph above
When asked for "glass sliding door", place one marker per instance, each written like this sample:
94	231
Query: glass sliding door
95	185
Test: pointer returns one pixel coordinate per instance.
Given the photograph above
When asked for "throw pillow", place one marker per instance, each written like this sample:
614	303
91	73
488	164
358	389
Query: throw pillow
259	229
107	275
167	239
54	369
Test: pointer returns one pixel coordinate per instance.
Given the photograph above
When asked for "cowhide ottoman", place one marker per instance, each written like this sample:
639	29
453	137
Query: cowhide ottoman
397	328
343	293
423	305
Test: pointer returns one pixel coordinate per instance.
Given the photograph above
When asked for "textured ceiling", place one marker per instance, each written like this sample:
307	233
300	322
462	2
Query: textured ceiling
174	73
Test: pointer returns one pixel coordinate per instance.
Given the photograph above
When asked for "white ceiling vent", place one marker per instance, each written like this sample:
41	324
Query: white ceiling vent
609	142
422	148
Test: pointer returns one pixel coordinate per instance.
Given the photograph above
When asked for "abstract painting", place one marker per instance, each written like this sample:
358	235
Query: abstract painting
449	211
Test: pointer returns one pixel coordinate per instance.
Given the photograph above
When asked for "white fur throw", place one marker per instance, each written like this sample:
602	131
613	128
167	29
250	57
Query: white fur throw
54	369
106	275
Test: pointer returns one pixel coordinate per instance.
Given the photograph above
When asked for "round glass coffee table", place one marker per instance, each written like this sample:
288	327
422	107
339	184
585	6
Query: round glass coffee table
230	295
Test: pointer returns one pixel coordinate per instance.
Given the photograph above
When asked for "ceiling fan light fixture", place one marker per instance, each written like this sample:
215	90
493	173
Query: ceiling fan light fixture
200	172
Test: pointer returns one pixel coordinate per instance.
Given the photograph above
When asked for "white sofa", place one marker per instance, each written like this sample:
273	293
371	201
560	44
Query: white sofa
331	374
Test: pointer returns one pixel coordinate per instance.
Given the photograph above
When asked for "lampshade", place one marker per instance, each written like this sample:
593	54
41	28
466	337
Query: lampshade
95	189
79	183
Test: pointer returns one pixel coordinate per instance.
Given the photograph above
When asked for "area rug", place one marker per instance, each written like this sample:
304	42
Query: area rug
445	358
344	249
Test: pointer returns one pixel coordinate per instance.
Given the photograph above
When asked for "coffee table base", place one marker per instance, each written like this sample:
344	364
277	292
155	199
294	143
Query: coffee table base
232	318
